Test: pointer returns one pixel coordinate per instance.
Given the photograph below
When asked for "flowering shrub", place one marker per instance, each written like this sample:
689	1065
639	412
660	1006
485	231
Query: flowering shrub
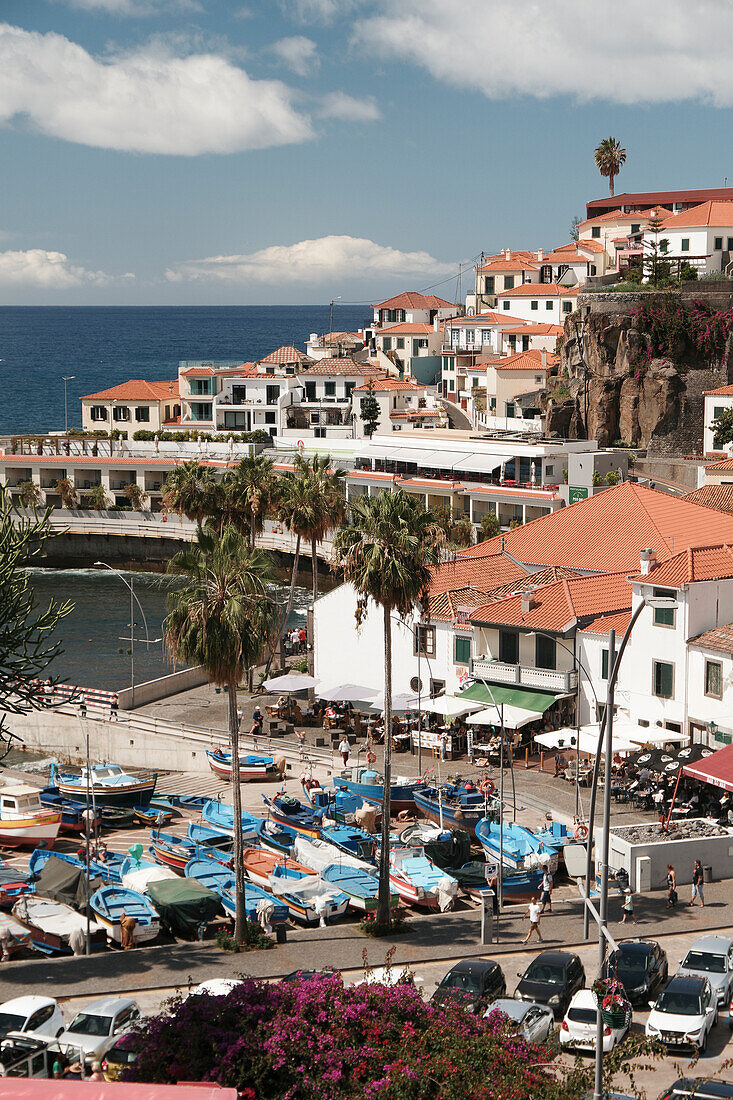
314	1039
668	326
610	993
397	923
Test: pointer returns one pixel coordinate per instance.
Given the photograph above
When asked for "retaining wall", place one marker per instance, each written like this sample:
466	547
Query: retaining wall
162	687
715	852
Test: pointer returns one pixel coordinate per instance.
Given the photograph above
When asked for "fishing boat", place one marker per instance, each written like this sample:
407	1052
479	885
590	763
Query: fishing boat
222	881
15	935
369	785
13	884
280	838
260	864
149	815
108	904
117	817
518	848
361	889
107	869
309	899
318	854
452	805
194	802
220	815
108	783
175	851
136	874
290	811
419	833
72	813
24	822
339	805
51	924
250	767
419	882
351	840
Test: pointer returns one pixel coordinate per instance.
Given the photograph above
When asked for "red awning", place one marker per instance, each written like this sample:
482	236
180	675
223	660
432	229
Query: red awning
716	769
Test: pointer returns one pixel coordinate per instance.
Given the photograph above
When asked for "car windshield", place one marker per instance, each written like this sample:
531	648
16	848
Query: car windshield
704	960
681	1004
466	983
582	1015
545	972
86	1024
121	1056
630	961
10	1022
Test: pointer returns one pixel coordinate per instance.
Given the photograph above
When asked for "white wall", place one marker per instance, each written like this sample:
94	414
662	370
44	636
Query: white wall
712	402
522	307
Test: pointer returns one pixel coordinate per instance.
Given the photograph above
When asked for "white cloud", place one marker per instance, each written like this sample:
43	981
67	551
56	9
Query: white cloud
626	52
327	258
146	101
44	270
341	105
134	7
319	11
298	53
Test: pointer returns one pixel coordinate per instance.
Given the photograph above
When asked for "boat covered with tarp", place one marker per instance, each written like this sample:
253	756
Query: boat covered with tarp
185	906
55	927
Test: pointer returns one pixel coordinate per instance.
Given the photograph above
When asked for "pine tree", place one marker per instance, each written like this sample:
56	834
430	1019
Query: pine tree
369	411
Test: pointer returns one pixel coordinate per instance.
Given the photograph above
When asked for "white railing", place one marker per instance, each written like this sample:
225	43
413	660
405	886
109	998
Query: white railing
499	672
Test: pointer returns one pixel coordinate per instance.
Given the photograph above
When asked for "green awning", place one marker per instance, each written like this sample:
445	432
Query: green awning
511	696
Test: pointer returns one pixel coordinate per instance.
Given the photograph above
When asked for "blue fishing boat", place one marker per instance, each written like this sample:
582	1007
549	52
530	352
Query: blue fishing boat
362	889
340	805
109	902
195	802
519	848
555	836
72	819
107	868
308	898
250	767
351	840
220	815
152	815
419	882
14	883
369	785
290	811
461	805
175	851
107	784
221	880
271	834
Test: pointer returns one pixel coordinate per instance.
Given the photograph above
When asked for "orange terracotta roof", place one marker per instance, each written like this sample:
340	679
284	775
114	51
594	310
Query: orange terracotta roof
332	338
412	414
635	216
608	531
532	580
199	371
446	605
137	389
537	494
722	465
617	620
713	496
407	327
412	299
286	354
586	243
723	391
382	384
342	366
528	329
484	572
695	563
503	264
560	605
719	639
490	317
539	290
714	212
527	360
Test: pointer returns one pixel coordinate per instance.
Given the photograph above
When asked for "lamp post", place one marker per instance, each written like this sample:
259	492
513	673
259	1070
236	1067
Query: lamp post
330	322
67	378
147	640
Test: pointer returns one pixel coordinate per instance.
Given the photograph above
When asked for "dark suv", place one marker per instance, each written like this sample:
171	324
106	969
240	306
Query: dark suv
551	979
475	982
641	967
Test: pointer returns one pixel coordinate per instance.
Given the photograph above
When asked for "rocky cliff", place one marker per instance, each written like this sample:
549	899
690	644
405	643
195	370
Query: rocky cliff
645	399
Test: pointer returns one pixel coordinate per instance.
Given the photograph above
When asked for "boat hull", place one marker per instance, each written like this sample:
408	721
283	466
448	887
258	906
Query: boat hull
401	798
412	894
430	808
307	914
107	794
37	831
142	933
248	771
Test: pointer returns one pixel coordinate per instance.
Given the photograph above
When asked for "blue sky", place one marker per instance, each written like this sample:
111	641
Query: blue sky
275	151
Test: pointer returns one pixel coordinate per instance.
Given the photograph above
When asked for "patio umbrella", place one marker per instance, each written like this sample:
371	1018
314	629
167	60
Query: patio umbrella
653	759
514	717
346	693
451	706
400	702
690	754
291	681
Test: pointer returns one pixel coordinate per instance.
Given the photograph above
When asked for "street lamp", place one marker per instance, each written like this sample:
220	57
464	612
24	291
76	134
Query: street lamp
147	640
330	323
66	379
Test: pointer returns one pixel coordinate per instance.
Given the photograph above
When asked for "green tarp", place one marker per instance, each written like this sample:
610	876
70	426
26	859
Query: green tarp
61	881
452	854
510	696
184	905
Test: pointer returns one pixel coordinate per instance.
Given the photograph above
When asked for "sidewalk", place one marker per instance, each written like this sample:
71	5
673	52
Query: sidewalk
433	937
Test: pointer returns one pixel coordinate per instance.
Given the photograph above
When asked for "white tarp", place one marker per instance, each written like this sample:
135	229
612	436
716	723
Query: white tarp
138	880
451	706
514	717
319	854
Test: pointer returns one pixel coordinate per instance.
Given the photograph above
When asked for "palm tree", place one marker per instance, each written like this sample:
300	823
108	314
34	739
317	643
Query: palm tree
219	618
609	158
190	490
136	495
253	488
294	510
67	492
386	549
96	498
29	494
327	501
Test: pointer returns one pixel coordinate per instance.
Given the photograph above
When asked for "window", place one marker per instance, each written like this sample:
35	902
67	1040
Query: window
329	389
567	307
635	227
424	641
474	382
99	412
470	335
310	391
595	232
508	282
400	343
730	244
544	652
437	687
534	305
509	408
664	616
489	284
525	343
718	244
604	664
120	412
272	394
506	305
664	246
239	395
538	380
714	679
142	414
549	303
270	418
663	679
349	389
509	647
673	727
485	335
462	650
717	411
685	245
387	343
451	385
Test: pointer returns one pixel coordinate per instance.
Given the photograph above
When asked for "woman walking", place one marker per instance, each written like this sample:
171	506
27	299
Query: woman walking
671	886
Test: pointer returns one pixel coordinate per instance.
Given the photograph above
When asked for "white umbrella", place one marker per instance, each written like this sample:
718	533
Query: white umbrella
399	702
587	742
346	693
514	717
291	681
451	706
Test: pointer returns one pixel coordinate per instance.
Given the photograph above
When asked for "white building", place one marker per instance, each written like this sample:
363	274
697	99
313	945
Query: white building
412	307
701	236
132	406
403	403
547	302
716	402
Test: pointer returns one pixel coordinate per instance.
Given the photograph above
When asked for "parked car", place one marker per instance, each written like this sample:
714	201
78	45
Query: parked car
684	1014
116	1060
698	1089
389	975
533	1022
97	1027
215	987
551	979
24	1055
40	1016
579	1026
642	968
711	957
474	982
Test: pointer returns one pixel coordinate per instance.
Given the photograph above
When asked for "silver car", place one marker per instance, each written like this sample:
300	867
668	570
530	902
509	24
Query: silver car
711	957
533	1022
95	1029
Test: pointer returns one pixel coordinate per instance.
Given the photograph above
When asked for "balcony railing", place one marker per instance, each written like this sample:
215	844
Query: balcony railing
501	673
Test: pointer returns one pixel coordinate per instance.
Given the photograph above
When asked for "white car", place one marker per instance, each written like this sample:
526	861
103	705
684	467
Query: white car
533	1022
98	1026
578	1028
215	987
39	1016
684	1014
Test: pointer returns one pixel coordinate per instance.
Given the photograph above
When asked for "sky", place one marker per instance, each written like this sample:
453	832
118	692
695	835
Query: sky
294	151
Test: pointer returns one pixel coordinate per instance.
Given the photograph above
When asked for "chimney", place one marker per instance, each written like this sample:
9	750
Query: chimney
170	387
648	562
540	253
543	358
508	253
527	602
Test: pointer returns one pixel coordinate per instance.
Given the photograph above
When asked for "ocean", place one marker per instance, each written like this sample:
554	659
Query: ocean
103	346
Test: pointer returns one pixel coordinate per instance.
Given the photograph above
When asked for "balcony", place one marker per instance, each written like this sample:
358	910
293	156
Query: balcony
547	679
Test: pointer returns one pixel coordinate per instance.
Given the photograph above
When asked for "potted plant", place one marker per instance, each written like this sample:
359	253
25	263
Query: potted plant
611	999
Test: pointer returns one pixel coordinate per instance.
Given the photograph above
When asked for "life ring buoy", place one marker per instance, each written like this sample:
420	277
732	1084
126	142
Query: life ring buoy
581	832
300	444
486	787
371	758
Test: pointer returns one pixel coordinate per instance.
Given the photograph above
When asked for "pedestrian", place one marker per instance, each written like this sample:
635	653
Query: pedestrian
114	708
697	891
240	714
671	886
302	639
533	912
58	1070
345	749
96	1074
627	909
300	734
547	884
127	929
253	731
258	717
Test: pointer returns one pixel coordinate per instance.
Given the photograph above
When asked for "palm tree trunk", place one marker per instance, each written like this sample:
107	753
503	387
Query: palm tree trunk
240	918
288	606
314	569
383	909
251	528
610	185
